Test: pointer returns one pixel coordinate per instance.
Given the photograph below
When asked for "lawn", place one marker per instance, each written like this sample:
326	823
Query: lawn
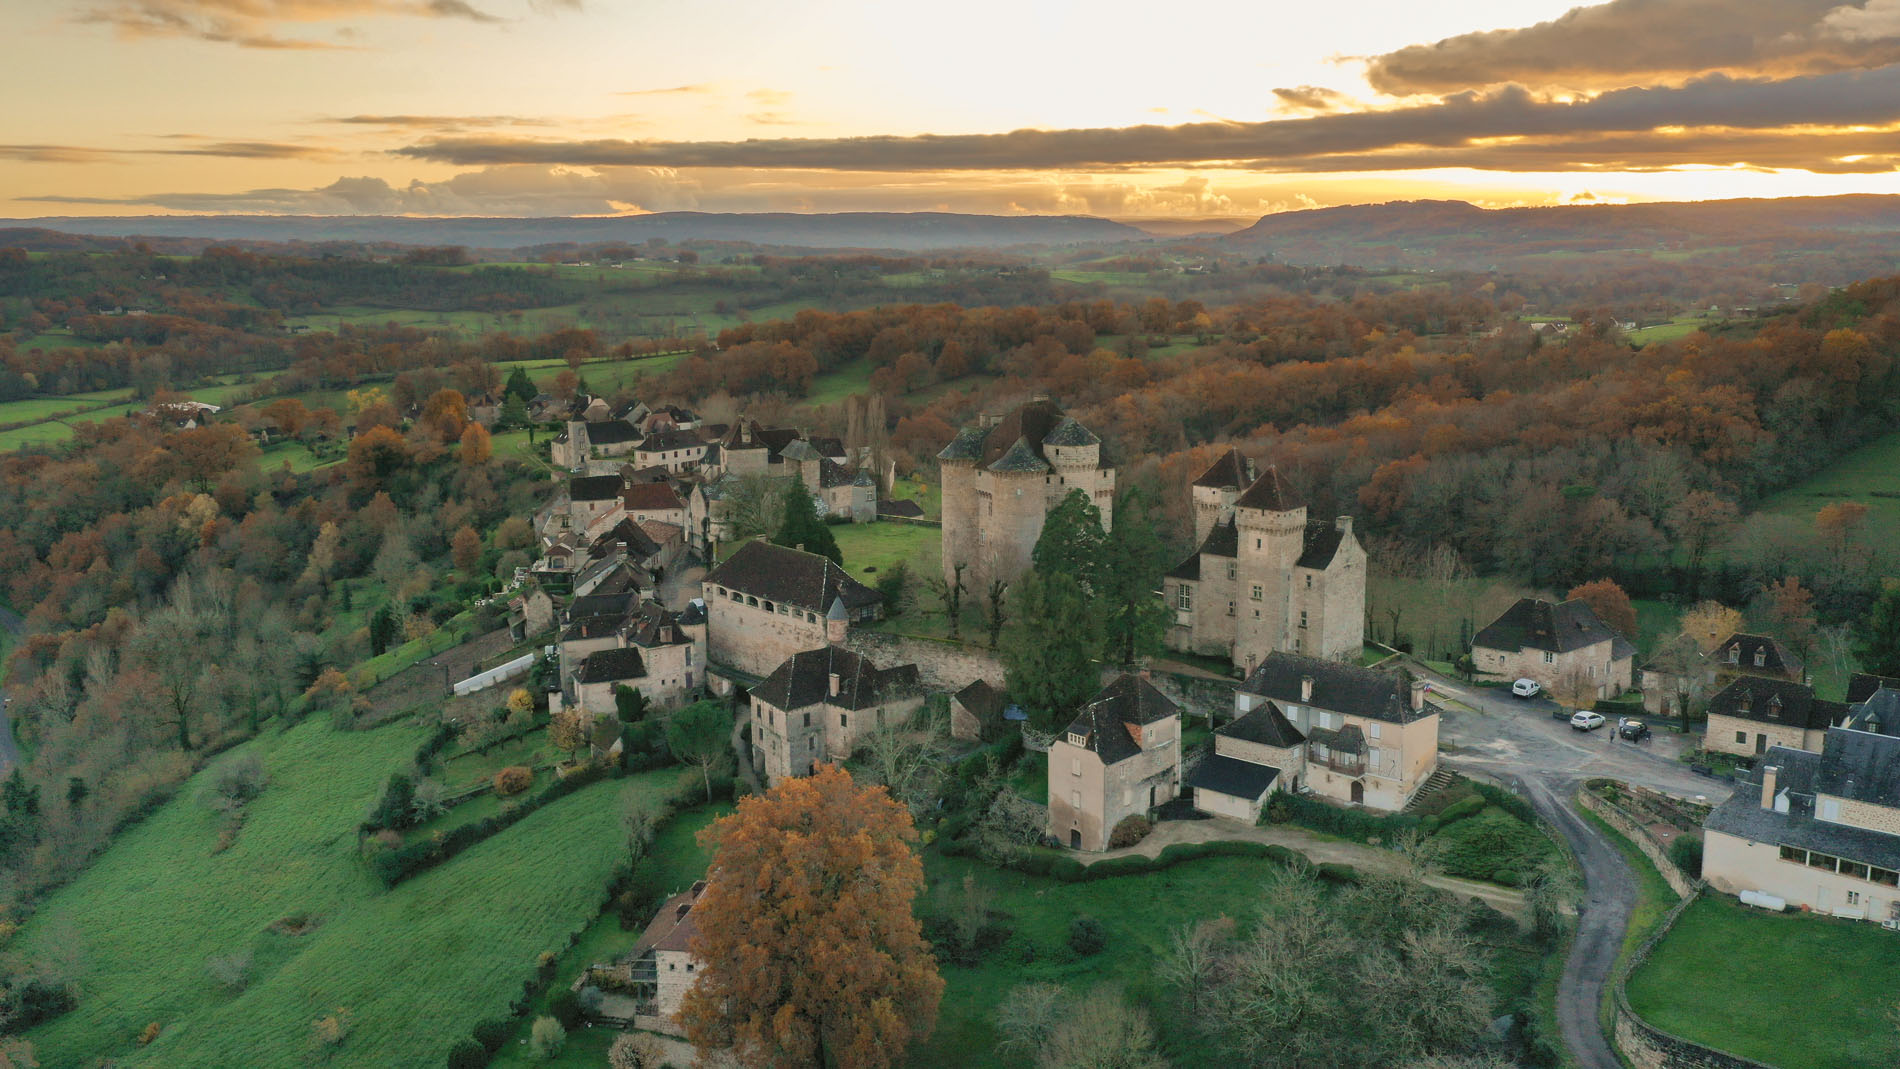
1723	976
414	967
840	382
868	546
1869	475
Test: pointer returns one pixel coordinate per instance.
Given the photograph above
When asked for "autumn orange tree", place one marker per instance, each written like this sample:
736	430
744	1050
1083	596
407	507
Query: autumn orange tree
1610	603
812	954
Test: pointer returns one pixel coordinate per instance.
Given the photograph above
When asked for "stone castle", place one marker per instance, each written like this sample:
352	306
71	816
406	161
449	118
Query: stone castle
1001	478
1264	578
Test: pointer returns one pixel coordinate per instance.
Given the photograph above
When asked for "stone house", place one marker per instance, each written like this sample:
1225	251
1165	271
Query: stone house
661	967
597	440
530	613
1249	754
976	712
646	502
1754	655
816	707
751	449
1119	757
1754	713
841	492
1821	831
592	499
615	640
1001	478
673	449
1264	578
767	602
1365	737
1554	642
1681	670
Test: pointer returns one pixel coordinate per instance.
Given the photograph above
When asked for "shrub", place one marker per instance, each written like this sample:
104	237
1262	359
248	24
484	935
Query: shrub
493	1033
1492	846
1132	865
1132	829
565	1007
149	1033
513	780
1333	872
1686	852
397	804
635	1052
546	1038
1087	936
1459	810
1068	870
1338	820
466	1053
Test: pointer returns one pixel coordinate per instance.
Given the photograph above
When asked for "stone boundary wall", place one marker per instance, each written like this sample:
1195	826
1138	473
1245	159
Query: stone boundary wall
1616	817
1644	1045
941	664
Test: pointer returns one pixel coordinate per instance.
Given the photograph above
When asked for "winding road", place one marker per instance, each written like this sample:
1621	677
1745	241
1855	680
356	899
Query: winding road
9	750
1519	741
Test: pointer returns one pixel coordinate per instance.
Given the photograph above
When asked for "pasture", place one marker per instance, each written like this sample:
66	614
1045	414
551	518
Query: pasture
412	969
1869	475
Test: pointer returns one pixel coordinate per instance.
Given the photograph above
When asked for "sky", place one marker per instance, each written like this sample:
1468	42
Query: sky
1231	108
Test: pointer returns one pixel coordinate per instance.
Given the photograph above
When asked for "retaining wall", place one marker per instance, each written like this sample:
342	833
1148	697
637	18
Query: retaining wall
1643	1044
1620	819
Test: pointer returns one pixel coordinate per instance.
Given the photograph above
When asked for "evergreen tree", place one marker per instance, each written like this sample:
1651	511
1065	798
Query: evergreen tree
802	526
1133	614
1072	541
383	629
520	385
1049	646
630	704
514	412
1878	632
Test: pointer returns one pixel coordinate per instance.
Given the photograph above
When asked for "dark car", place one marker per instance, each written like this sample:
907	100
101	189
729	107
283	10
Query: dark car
1633	730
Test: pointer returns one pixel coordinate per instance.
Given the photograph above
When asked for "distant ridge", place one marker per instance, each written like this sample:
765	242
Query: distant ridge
914	231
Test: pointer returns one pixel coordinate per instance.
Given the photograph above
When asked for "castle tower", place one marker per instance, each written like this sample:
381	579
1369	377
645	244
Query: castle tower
837	624
1216	491
1019	502
1272	531
956	468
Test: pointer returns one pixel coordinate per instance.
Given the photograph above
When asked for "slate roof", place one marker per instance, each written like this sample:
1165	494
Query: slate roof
628	534
1879	713
611	432
651	497
1223	540
1221	774
967	445
805	680
829	447
671	438
1268	493
1798	771
1776	701
1348	739
672	928
1341	688
908	509
612	666
589	605
807	580
1860	765
650	624
1775	656
831	473
800	450
1020	458
593	488
1229	471
1104	723
1536	624
983	700
1321	545
1861	686
581	627
1069	432
1267	725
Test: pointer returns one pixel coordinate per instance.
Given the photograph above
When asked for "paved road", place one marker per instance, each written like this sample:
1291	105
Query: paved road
1519	741
9	750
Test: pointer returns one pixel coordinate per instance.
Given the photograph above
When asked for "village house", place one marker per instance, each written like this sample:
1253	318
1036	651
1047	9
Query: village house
818	705
1819	830
750	449
1264	578
592	498
1119	757
598	440
841	492
615	640
766	603
976	712
1754	713
653	501
673	449
661	968
1358	736
1754	655
1680	672
1554	644
1249	754
1001	478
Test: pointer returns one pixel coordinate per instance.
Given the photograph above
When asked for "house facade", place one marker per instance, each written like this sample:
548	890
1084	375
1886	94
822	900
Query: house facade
1001	479
1552	643
673	449
597	440
661	966
1754	713
615	640
1246	766
767	602
1264	578
816	707
1820	831
1119	757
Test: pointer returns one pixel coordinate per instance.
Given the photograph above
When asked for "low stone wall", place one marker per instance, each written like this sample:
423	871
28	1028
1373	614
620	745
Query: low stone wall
1644	1045
1616	817
943	665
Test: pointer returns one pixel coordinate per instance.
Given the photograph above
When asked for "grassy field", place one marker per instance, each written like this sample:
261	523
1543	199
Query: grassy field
1679	327
1724	974
840	382
868	546
414	967
1869	475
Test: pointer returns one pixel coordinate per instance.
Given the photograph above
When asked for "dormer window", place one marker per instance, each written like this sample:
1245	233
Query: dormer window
1735	655
1077	740
1761	658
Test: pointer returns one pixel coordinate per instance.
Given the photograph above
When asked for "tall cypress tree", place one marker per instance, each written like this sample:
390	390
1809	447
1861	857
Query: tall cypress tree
1049	646
803	526
1129	593
1072	541
520	385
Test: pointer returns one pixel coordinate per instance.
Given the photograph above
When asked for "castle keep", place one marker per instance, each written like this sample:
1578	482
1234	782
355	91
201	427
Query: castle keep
1001	478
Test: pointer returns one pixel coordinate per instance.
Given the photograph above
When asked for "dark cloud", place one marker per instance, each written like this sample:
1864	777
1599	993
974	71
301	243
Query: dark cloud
1649	42
1464	121
1312	98
436	122
253	23
52	154
240	150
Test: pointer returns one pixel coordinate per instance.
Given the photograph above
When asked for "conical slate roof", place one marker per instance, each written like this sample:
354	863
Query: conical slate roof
1020	458
1229	470
1069	432
1268	494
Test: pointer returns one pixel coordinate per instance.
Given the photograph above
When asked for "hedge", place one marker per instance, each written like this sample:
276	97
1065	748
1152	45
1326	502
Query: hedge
1337	820
1069	869
395	866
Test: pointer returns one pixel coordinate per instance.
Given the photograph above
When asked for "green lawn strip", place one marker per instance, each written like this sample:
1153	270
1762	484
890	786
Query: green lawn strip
1723	964
1654	898
466	770
870	549
1867	475
452	633
840	382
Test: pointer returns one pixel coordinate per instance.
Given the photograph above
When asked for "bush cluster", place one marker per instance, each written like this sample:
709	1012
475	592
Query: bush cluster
1132	829
1337	820
397	865
1070	870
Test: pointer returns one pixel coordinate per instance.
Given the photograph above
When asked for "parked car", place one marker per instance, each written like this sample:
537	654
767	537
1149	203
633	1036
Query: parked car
1526	688
1558	712
1633	730
1585	720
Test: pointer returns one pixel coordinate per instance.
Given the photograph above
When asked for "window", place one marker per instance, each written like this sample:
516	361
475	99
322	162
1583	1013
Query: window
1309	582
1302	617
807	719
842	722
1886	876
1232	569
1821	861
1741	738
1854	869
1853	898
1075	799
1831	810
1761	658
1077	740
1230	608
1256	543
1550	658
1075	765
1184	597
1257	592
1735	655
1373	730
1794	854
689	658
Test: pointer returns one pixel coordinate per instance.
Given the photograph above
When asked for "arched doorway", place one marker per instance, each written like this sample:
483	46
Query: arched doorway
1075	838
1358	793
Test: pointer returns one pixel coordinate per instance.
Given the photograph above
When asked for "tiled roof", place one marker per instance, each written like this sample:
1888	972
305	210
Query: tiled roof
982	699
805	680
611	432
908	509
1536	624
672	928
1069	432
1266	725
1220	774
1797	773
1860	765
1268	493
806	580
829	447
612	666
1342	688
967	445
1229	471
593	488
1320	544
799	450
670	439
1776	701
1104	723
651	497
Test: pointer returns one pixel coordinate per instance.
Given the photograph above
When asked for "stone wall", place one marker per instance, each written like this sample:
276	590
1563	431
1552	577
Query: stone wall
1644	1045
1616	817
942	665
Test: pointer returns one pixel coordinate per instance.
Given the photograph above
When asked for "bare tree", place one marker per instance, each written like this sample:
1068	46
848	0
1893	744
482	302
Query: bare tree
950	592
909	760
1101	1031
993	609
1192	957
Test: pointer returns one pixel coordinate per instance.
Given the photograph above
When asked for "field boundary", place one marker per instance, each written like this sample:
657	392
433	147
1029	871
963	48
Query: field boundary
1644	1044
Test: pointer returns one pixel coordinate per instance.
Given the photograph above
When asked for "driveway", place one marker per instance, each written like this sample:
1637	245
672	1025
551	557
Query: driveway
1490	732
9	750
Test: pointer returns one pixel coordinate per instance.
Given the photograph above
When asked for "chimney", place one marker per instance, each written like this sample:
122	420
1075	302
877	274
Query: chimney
1344	524
1306	688
1769	775
834	684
